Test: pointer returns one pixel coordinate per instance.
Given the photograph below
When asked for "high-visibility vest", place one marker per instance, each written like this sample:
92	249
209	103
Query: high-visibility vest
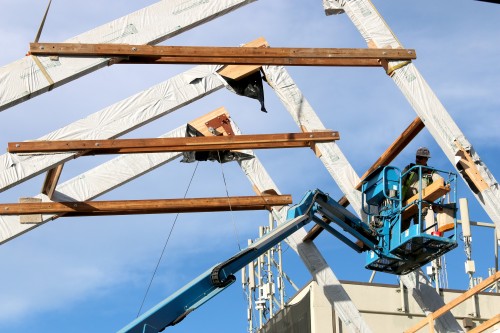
412	177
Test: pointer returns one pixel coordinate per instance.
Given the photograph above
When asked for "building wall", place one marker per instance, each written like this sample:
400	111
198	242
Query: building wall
388	308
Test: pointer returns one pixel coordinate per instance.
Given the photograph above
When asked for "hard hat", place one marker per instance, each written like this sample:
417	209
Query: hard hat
423	152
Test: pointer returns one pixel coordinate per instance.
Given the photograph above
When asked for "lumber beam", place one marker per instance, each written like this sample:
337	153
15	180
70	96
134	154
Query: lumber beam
51	179
453	303
149	54
154	145
396	147
431	193
157	206
487	324
387	157
237	72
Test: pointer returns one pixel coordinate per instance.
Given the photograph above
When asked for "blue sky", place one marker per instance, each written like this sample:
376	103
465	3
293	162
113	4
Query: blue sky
90	274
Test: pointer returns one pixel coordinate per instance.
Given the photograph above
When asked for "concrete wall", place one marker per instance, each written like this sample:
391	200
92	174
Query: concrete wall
388	308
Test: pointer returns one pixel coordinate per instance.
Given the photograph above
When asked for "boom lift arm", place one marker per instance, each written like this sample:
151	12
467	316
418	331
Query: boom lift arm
390	249
176	307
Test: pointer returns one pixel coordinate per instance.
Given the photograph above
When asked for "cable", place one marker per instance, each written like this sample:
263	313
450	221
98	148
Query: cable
165	245
232	217
229	202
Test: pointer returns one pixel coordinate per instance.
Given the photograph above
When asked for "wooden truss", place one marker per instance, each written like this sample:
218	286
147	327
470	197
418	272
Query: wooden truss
469	161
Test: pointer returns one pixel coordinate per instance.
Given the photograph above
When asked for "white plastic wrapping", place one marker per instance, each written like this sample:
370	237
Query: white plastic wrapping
24	78
114	121
301	111
377	34
94	183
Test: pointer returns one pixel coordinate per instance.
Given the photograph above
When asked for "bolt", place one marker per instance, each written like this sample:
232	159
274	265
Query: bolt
97	144
134	49
18	145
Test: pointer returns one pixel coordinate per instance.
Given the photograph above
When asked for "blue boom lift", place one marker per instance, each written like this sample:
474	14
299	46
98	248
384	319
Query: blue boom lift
390	246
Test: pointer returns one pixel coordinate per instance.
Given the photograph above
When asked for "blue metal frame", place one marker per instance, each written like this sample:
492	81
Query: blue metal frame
402	251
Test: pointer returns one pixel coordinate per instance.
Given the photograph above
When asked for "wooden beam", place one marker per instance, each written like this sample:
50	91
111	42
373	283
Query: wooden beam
270	61
51	179
431	193
237	72
387	157
395	148
469	169
154	145
225	55
453	303
158	206
487	324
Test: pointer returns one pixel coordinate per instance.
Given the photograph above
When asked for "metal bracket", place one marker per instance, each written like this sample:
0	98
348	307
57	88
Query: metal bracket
220	121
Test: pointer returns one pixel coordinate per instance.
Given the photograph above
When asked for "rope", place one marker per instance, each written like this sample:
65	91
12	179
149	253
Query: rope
165	245
229	202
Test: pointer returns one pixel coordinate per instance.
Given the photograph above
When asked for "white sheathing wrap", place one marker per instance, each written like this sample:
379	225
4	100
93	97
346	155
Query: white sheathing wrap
439	123
305	117
114	121
332	7
309	253
24	78
423	100
94	183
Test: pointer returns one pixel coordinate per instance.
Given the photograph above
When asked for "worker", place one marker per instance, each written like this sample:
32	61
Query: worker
410	184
